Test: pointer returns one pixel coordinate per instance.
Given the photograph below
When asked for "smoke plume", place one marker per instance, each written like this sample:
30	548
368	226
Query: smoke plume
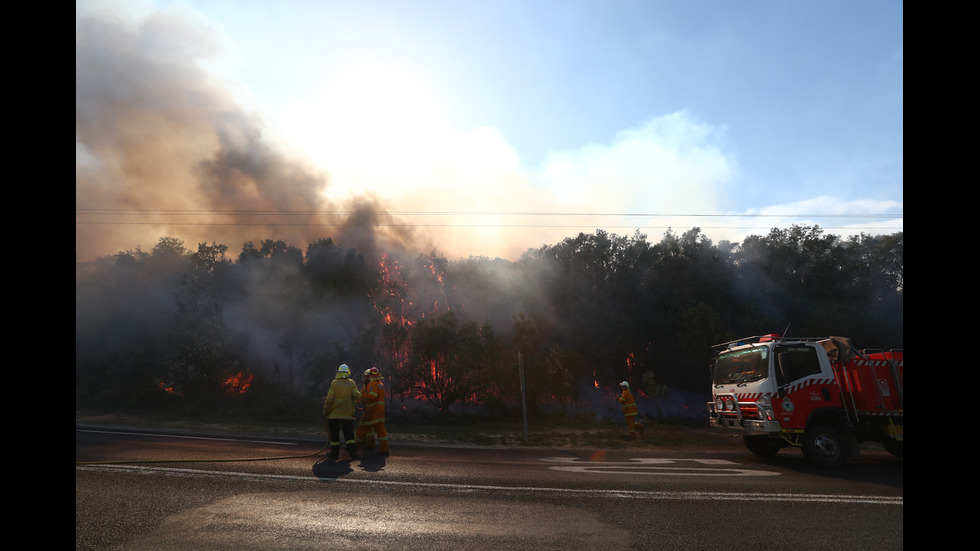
166	147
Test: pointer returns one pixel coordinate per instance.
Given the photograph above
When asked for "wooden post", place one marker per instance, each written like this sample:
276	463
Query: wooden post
520	362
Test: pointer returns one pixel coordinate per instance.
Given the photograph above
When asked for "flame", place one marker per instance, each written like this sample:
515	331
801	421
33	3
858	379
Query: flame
168	388
402	305
390	300
239	383
435	273
439	293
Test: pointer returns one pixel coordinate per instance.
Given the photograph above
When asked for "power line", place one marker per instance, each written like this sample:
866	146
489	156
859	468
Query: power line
433	225
168	214
211	212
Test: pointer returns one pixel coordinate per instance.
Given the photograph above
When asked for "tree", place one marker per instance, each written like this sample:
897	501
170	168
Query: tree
578	310
654	390
169	248
205	354
558	375
203	357
446	356
331	269
210	259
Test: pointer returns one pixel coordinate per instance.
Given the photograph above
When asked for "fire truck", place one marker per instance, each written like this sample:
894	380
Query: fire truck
817	394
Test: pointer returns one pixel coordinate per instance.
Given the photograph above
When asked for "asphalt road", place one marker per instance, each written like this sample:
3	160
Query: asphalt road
157	491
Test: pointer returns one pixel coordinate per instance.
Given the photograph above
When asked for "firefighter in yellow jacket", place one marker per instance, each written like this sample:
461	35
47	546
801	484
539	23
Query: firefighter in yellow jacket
634	428
338	412
373	419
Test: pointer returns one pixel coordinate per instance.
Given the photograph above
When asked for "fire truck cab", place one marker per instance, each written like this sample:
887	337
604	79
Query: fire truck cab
817	394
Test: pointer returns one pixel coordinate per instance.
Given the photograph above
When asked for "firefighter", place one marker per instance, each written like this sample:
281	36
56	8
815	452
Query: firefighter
634	428
374	413
338	412
362	440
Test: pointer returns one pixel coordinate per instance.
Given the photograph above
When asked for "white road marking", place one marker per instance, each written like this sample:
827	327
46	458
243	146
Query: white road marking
656	466
523	490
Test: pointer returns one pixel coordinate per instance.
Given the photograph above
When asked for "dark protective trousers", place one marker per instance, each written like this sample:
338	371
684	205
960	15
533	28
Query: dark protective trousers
334	426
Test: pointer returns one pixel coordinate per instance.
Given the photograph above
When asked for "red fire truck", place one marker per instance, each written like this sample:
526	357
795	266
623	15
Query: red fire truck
817	394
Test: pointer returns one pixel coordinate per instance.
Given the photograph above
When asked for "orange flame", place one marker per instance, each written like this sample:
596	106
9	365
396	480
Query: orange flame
238	383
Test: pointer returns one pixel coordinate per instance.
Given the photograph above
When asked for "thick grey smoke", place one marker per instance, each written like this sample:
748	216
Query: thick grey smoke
165	147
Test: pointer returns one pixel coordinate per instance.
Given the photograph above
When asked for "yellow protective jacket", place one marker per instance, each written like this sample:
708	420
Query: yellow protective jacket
340	399
374	402
629	405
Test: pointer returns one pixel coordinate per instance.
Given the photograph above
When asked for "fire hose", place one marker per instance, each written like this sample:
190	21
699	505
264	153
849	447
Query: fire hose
223	460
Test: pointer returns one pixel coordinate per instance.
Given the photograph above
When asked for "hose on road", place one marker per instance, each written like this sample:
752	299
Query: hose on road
224	460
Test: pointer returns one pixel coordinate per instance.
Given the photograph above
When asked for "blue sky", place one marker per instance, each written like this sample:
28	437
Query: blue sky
732	116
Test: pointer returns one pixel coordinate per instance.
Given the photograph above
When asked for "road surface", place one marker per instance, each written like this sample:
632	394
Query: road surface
156	491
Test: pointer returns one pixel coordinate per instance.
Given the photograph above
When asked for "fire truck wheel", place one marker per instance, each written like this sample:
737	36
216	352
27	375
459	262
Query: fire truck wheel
763	446
823	446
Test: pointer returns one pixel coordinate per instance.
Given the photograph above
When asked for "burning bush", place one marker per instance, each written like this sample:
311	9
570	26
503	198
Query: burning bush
238	383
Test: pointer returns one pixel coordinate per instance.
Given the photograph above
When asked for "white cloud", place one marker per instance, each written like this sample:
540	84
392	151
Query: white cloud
671	164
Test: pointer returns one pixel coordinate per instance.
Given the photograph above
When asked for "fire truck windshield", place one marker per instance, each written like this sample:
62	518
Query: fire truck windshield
741	366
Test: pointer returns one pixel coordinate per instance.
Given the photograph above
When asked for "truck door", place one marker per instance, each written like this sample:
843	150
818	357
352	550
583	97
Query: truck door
797	367
794	363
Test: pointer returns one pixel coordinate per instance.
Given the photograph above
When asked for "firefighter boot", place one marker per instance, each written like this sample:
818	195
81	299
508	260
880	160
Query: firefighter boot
352	450
640	427
334	452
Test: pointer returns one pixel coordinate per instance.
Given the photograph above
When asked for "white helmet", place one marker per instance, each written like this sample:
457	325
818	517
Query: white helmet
624	384
343	369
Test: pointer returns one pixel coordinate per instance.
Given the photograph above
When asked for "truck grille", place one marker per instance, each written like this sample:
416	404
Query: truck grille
733	409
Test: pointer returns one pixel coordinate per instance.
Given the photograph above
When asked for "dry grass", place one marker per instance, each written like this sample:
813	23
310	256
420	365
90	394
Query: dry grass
470	431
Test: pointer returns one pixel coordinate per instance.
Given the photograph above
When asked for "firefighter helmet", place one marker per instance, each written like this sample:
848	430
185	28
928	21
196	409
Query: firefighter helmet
343	370
373	372
624	384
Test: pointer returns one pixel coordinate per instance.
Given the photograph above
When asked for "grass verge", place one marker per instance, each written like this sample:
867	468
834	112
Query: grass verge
463	430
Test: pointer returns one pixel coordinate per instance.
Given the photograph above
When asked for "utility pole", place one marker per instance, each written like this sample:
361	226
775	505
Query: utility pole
520	362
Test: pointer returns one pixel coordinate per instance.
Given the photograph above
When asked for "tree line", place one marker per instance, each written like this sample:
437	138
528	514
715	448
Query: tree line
175	323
